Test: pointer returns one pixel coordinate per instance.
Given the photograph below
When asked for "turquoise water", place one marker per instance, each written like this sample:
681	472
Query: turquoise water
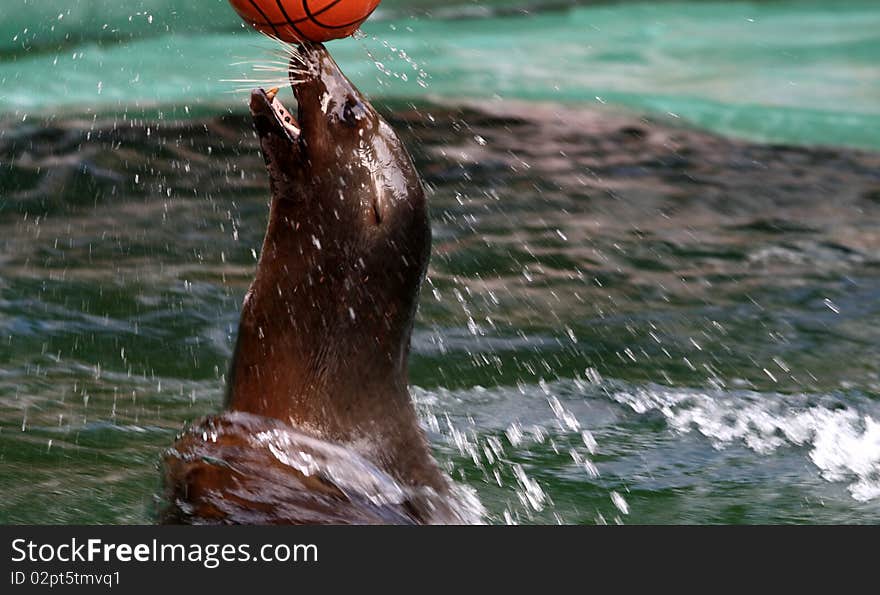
623	321
801	72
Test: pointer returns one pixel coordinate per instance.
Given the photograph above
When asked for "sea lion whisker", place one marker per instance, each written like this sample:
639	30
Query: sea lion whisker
284	64
289	58
289	51
272	82
279	70
261	76
282	51
284	45
269	69
249	84
264	73
256	64
272	58
262	63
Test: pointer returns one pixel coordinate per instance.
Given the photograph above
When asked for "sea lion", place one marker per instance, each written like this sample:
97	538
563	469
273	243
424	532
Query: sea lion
319	425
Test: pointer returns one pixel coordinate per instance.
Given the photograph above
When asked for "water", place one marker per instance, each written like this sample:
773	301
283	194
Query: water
792	71
623	322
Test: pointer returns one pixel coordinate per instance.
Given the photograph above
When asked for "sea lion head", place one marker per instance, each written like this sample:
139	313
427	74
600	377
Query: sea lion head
335	148
325	329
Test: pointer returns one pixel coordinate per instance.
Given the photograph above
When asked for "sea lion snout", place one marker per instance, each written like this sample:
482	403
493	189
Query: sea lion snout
328	102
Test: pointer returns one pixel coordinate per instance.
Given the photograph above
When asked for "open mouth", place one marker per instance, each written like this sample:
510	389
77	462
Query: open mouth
270	115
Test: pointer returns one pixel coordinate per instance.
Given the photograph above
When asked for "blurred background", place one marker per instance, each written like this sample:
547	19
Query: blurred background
654	289
800	71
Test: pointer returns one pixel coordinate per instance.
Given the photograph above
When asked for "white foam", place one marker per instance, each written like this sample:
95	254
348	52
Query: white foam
844	443
840	432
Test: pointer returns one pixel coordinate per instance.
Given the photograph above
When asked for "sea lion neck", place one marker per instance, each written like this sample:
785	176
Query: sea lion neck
325	327
325	350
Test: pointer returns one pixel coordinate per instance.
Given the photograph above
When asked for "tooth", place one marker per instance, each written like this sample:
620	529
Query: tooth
271	93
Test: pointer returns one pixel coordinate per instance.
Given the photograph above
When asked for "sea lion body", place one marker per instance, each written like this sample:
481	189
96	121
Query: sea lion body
319	425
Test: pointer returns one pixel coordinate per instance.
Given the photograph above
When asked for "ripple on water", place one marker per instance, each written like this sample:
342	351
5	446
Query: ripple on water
602	435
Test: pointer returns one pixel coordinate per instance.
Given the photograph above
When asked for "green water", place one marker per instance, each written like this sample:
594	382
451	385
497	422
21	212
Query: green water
627	334
623	322
801	72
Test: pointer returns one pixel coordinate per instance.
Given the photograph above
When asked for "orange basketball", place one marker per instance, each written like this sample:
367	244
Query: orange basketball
305	20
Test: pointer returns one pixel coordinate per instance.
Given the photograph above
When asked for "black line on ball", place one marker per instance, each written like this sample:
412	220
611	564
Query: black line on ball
268	22
289	21
311	16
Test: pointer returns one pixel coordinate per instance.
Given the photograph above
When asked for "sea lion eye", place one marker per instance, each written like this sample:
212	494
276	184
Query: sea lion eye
353	111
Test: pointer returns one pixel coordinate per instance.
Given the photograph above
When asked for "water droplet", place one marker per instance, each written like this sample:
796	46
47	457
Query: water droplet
620	503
